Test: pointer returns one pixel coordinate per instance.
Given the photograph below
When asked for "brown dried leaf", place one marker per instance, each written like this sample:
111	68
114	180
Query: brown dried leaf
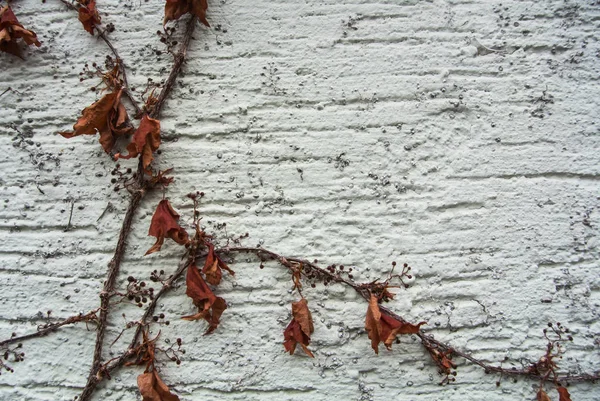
11	30
210	307
373	324
542	396
383	328
152	388
107	116
213	267
299	329
165	224
145	141
88	15
174	9
563	394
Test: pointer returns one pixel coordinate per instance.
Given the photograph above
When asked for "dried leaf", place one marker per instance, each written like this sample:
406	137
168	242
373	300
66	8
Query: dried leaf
299	329
563	394
165	224
88	15
174	9
542	396
152	388
384	328
106	116
210	307
213	265
373	324
441	359
11	30
145	141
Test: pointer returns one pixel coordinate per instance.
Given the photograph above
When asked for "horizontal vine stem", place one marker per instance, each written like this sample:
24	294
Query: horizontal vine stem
425	338
52	327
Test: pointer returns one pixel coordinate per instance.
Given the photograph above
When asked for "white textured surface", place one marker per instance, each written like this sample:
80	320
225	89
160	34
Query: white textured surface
456	163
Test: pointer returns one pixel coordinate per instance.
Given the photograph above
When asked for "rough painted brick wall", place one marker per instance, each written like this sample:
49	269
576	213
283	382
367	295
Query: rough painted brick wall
461	137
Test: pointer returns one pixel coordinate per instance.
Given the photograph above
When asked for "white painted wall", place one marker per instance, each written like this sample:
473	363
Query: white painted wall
455	164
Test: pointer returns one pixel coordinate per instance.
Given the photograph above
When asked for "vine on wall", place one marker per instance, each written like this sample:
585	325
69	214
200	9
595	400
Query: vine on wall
203	262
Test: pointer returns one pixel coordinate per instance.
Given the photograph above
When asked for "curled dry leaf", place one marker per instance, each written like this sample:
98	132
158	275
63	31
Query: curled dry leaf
106	116
299	329
210	307
174	9
384	328
161	178
145	141
563	394
88	15
542	396
296	275
441	359
165	224
11	30
153	388
213	265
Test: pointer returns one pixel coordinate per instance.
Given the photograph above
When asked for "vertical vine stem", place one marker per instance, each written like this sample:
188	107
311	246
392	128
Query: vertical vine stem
95	374
108	288
176	69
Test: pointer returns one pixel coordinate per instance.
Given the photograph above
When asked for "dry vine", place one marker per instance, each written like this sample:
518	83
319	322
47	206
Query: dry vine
382	324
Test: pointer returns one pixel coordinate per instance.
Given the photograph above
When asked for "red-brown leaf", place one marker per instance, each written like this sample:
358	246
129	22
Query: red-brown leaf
213	265
165	224
11	30
383	328
174	9
89	17
299	329
563	394
210	307
106	116
152	388
542	396
145	141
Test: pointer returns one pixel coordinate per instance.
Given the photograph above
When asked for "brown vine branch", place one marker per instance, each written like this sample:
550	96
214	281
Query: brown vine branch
176	69
51	327
114	266
118	362
104	37
426	339
108	288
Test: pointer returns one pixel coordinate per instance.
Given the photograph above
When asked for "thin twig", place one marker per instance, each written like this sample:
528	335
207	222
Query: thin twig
138	109
104	37
49	328
425	338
